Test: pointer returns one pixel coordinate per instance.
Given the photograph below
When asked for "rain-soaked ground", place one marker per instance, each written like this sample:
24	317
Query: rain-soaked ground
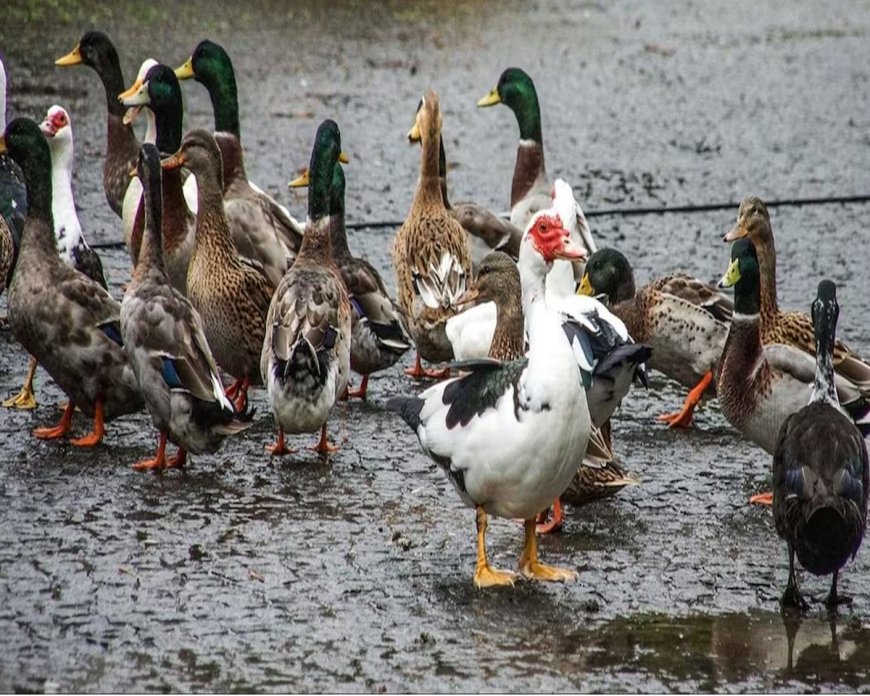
354	573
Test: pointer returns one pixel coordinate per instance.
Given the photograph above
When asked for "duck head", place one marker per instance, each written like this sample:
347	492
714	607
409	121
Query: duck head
753	221
199	152
547	236
743	276
608	273
498	280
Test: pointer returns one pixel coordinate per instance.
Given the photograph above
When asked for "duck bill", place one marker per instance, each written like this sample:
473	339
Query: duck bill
300	181
175	161
74	57
136	95
343	157
570	251
735	234
585	287
48	129
185	72
491	99
131	114
470	296
732	275
3	149
414	134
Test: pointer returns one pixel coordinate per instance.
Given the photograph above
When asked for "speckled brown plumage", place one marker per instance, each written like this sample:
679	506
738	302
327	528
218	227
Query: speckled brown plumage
430	232
232	297
7	253
789	328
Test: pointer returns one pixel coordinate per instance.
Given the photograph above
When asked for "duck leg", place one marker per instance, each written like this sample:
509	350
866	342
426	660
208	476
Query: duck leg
362	391
683	417
160	460
241	400
762	499
534	569
279	449
484	574
232	390
25	398
792	596
833	598
59	430
419	372
95	437
323	446
549	522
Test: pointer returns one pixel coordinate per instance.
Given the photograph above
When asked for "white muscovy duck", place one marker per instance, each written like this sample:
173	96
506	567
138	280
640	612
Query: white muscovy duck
509	434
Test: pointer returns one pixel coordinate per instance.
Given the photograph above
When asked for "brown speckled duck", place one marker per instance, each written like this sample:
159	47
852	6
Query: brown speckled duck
231	295
96	51
683	320
262	228
377	339
788	328
305	362
431	254
66	321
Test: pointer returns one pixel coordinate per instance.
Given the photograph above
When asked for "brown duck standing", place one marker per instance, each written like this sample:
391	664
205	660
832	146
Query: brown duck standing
430	253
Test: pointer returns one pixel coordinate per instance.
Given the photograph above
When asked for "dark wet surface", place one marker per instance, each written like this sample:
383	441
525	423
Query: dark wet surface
355	573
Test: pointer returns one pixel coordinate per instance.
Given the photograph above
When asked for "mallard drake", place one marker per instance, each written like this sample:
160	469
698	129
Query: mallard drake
486	231
157	88
430	253
377	339
682	320
231	296
305	362
509	434
760	385
604	355
821	474
122	147
262	228
71	244
61	317
788	328
168	350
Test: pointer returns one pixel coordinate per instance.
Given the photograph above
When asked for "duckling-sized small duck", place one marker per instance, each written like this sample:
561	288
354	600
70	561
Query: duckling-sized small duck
431	254
157	88
168	350
487	231
62	318
305	363
231	295
262	228
788	328
377	339
71	244
760	385
821	474
509	434
96	51
683	320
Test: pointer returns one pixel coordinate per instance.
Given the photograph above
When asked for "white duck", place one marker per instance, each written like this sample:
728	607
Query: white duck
509	434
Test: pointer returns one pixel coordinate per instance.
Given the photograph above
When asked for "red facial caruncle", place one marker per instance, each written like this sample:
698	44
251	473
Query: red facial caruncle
552	240
54	121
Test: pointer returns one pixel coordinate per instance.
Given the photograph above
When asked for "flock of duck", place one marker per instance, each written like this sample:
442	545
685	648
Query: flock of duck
544	333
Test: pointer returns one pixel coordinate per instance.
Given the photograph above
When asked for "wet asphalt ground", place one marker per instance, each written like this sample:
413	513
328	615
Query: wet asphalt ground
353	573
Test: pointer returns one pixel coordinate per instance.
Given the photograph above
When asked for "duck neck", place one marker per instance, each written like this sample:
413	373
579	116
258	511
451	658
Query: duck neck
429	189
168	127
36	169
508	341
824	388
337	229
442	172
317	241
150	260
545	334
212	229
766	251
63	204
529	169
225	102
109	70
231	157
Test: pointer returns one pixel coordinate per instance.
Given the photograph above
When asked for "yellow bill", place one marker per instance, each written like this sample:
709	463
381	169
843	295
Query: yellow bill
343	158
300	181
185	72
490	99
126	94
3	149
74	57
414	134
585	287
732	275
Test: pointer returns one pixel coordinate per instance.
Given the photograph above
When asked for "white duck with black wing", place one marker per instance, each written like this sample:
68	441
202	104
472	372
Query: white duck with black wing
509	435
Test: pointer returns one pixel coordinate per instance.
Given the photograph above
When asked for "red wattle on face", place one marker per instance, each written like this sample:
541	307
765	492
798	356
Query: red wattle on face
548	236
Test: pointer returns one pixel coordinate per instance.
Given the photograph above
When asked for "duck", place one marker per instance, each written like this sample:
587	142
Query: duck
305	363
430	253
788	328
157	88
231	294
62	318
262	228
760	385
599	474
509	434
96	51
821	473
684	321
164	337
486	231
377	338
71	244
